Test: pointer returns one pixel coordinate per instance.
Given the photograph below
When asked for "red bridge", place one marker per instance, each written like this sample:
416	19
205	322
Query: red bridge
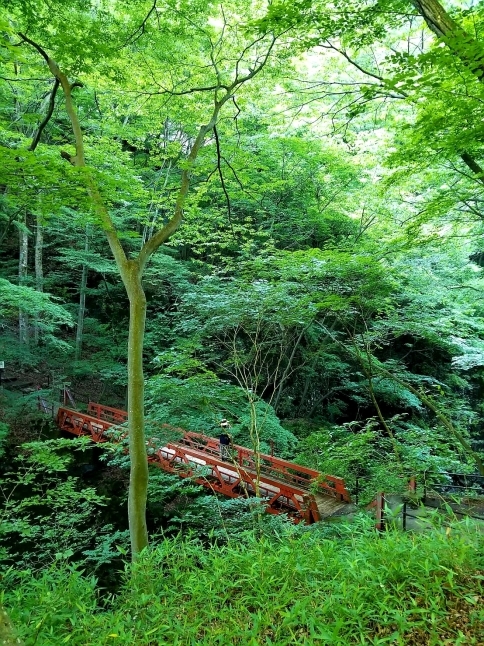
302	493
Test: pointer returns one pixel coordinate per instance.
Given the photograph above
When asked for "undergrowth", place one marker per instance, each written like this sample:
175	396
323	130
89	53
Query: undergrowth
351	587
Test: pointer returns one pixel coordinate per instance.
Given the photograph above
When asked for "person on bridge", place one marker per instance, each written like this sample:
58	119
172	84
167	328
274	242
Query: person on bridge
224	440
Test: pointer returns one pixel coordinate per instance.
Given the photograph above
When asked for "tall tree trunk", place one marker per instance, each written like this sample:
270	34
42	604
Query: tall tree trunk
39	270
463	45
23	321
138	481
471	52
82	300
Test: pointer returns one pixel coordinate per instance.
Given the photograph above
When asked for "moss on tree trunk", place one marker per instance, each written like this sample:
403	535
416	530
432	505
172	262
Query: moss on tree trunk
138	482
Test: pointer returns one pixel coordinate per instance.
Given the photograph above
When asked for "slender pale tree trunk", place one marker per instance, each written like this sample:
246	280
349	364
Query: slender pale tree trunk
39	269
138	482
82	300
255	439
23	321
39	231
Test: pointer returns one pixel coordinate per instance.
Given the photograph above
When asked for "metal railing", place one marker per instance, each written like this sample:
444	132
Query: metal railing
383	513
460	483
423	484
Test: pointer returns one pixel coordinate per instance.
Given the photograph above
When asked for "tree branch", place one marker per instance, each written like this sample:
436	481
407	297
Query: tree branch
191	90
222	180
79	159
46	119
467	48
465	156
161	236
473	165
435	409
139	31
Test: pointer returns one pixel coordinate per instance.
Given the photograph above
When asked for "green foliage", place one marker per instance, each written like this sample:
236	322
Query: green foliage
3	436
291	199
182	506
285	590
198	403
62	590
215	520
305	265
364	452
47	514
40	305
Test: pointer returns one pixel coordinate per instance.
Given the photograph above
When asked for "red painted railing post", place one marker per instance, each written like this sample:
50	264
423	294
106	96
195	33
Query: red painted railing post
412	484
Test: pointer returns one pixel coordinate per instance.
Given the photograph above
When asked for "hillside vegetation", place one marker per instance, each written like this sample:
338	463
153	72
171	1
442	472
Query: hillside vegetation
269	213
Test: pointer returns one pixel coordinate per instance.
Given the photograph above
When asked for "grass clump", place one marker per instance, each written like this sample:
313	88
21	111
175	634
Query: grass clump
296	589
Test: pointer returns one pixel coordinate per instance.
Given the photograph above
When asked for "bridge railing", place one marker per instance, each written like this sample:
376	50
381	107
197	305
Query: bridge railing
303	478
268	465
107	413
82	424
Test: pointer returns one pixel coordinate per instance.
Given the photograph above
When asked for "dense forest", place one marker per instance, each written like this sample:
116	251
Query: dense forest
261	215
